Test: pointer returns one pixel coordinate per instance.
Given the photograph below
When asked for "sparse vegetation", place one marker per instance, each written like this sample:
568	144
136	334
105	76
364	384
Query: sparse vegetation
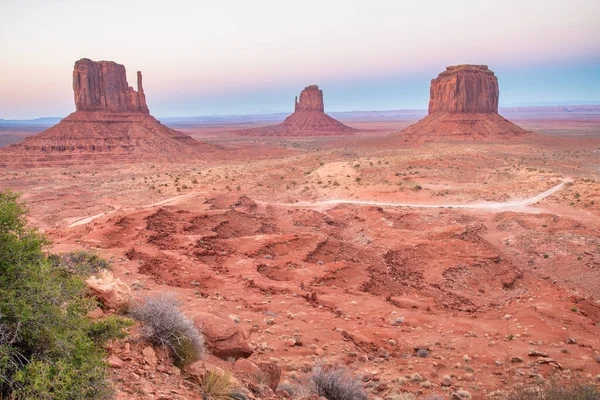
336	384
555	391
166	326
216	385
80	263
422	352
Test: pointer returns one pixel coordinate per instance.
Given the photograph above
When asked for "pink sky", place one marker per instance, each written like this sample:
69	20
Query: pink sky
195	50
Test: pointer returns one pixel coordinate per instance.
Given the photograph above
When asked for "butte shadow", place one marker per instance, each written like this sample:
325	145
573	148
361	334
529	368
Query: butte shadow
463	104
111	121
308	119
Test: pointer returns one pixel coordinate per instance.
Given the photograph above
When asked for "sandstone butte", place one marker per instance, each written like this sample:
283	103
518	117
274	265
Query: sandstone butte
463	104
111	120
308	119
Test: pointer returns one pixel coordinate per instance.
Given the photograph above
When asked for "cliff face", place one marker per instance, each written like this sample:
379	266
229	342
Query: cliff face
311	99
464	89
102	86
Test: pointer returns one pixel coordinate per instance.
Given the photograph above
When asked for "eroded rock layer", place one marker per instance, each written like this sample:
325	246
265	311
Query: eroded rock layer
464	89
102	86
311	99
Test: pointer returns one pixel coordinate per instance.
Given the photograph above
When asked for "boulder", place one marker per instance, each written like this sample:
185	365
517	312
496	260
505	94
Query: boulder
247	367
223	337
110	291
273	373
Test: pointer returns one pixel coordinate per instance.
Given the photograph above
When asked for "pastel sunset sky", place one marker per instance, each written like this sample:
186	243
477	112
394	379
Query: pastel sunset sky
202	57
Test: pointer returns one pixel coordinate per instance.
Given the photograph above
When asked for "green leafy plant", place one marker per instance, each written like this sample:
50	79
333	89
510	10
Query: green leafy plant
49	349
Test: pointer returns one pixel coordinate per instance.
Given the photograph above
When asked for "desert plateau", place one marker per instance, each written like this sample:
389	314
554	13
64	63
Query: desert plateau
449	251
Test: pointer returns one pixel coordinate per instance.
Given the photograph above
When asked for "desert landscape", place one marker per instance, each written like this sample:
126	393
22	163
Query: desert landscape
448	254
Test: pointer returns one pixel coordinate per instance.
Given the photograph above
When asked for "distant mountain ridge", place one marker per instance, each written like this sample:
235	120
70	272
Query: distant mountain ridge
345	115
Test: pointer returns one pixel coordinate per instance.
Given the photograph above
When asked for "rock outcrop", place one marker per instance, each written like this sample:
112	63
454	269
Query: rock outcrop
112	120
102	86
308	119
464	89
463	104
311	99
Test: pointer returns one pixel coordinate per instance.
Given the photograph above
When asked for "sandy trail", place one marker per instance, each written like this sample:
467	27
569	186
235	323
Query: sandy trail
170	200
520	205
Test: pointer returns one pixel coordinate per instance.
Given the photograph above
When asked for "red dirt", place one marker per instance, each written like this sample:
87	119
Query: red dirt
483	284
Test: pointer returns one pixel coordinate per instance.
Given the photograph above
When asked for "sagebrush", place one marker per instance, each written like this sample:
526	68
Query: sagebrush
336	384
164	325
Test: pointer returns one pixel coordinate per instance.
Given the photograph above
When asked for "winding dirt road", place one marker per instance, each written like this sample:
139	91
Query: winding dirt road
484	205
517	205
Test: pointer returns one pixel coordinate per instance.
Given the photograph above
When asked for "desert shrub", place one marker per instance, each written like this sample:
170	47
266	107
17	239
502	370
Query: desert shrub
49	349
422	352
166	326
555	391
80	262
336	384
289	389
216	385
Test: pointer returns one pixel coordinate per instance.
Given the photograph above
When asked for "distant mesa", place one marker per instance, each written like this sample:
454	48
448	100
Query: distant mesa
111	119
308	119
463	103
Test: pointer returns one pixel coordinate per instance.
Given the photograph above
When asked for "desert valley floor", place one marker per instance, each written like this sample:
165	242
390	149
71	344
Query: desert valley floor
270	232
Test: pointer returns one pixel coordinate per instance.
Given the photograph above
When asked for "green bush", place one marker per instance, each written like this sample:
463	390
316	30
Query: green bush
49	349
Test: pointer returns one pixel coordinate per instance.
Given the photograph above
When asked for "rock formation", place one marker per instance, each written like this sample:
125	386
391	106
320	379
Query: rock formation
311	99
111	120
308	119
463	103
464	89
102	86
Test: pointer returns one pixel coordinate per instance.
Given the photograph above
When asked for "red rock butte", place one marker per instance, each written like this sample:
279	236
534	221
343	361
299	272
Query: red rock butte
463	103
308	119
111	120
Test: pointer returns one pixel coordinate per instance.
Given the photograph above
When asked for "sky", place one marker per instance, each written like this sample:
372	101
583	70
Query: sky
206	57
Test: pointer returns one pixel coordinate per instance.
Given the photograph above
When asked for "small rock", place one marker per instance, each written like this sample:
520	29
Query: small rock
96	313
571	340
469	377
115	361
516	359
535	353
150	356
446	381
